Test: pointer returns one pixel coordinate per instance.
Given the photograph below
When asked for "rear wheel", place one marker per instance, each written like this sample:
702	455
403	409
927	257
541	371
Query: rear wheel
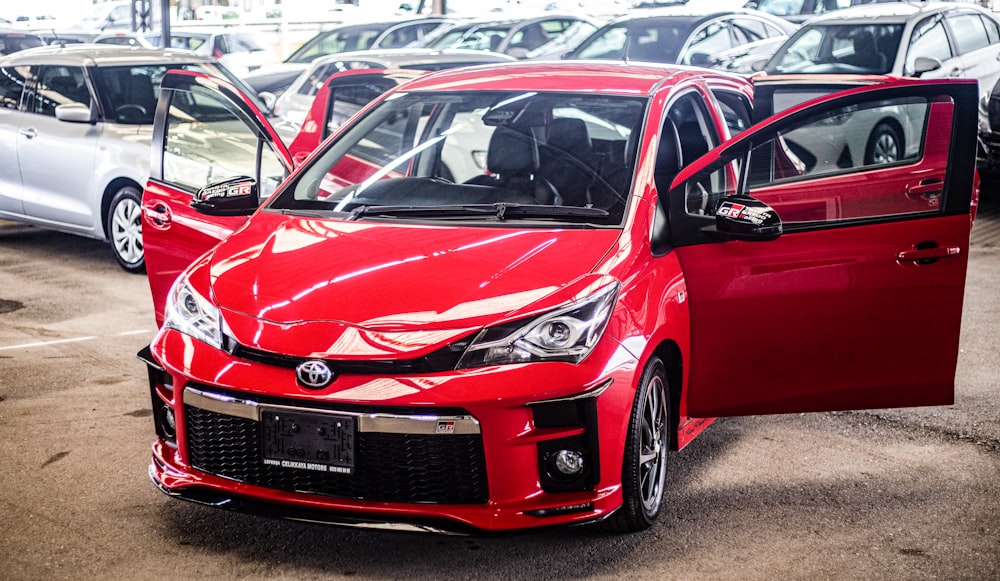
125	229
644	468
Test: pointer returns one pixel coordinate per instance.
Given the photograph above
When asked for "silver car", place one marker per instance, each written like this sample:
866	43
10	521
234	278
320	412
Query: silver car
75	129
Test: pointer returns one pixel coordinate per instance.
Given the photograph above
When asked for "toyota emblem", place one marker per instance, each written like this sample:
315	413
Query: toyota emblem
314	374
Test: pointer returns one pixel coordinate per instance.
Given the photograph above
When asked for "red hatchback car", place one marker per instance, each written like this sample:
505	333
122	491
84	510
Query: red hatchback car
497	297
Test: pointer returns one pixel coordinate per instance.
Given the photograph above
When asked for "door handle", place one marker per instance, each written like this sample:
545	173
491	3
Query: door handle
158	215
29	133
930	188
927	253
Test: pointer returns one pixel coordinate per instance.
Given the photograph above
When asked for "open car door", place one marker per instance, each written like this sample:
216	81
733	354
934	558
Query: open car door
821	276
205	130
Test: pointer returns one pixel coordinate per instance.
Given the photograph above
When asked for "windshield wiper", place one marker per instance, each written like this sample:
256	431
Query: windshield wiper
499	211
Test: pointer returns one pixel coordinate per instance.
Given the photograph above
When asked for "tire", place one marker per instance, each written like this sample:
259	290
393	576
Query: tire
125	229
885	145
644	467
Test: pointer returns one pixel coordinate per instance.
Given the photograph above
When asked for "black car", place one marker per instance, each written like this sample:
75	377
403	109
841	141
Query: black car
15	40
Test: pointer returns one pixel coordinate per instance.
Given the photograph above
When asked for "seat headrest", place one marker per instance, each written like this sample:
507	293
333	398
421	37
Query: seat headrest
510	151
570	135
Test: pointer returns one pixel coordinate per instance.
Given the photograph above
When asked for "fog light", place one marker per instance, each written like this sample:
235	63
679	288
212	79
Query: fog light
568	462
167	422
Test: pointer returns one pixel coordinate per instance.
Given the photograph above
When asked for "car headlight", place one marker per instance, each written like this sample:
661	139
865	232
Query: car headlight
192	314
565	334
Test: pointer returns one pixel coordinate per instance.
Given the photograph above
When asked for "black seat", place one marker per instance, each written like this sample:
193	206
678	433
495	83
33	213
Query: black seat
668	159
512	158
569	152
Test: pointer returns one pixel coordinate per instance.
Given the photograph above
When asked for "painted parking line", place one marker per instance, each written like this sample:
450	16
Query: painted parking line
61	341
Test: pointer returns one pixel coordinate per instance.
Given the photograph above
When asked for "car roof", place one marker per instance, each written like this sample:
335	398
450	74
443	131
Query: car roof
100	55
593	77
407	57
884	12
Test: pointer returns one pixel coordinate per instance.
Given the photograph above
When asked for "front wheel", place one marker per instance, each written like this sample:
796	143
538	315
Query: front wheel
125	229
644	469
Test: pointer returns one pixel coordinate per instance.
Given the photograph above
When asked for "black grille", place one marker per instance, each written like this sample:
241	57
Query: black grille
443	359
444	469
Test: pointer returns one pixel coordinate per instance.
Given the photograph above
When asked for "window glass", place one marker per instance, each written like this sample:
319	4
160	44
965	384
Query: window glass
712	39
319	75
12	81
59	85
781	7
970	32
736	110
929	40
992	29
751	30
347	100
654	42
840	48
206	142
841	142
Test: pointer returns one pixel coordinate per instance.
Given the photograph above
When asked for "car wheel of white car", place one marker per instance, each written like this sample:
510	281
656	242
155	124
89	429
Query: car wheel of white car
644	469
125	229
885	145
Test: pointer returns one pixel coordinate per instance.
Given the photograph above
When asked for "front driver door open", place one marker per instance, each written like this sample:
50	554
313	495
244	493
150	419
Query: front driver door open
858	303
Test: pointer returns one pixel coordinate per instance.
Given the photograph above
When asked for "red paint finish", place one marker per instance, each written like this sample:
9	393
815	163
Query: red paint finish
853	308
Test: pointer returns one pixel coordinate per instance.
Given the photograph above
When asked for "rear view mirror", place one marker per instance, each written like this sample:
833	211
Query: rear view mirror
746	218
236	196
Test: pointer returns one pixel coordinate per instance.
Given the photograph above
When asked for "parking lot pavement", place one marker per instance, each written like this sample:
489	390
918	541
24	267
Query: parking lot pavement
886	494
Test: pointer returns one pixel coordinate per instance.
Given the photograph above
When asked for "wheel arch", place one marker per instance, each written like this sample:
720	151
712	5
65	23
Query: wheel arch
670	353
109	192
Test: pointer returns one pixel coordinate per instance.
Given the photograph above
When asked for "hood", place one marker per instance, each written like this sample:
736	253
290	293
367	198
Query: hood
364	289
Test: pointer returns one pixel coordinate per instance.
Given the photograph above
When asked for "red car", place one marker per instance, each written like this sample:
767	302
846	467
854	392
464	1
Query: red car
489	300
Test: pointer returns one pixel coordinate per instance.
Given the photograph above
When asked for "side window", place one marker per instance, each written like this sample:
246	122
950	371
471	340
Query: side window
929	40
844	142
969	31
347	100
695	136
12	80
736	110
59	85
711	40
206	141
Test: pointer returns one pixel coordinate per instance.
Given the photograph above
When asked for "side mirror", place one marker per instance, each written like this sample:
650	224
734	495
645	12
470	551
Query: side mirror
75	113
925	64
701	59
746	218
268	99
236	196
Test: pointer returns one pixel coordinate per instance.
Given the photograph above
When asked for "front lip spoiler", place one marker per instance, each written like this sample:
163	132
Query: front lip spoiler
207	497
215	499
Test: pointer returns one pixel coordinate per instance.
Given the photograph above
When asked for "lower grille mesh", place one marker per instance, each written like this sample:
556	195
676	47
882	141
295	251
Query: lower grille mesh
444	469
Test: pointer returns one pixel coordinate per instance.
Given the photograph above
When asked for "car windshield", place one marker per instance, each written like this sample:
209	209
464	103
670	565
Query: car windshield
128	93
341	40
657	41
839	48
481	155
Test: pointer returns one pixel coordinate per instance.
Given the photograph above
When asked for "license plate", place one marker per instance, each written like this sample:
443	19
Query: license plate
307	440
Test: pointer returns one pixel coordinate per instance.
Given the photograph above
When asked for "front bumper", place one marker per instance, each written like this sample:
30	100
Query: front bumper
447	458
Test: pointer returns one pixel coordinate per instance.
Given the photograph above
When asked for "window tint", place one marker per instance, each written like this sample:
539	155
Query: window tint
736	110
12	81
206	141
970	32
59	85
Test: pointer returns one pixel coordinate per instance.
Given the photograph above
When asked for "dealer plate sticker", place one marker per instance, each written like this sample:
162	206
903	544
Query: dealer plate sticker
308	441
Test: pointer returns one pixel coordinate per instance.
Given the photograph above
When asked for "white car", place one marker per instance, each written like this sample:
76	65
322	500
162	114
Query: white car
239	50
75	128
927	40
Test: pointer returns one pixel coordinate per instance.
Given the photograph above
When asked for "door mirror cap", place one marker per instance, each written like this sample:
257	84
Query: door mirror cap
75	113
236	196
269	99
746	218
925	64
702	59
